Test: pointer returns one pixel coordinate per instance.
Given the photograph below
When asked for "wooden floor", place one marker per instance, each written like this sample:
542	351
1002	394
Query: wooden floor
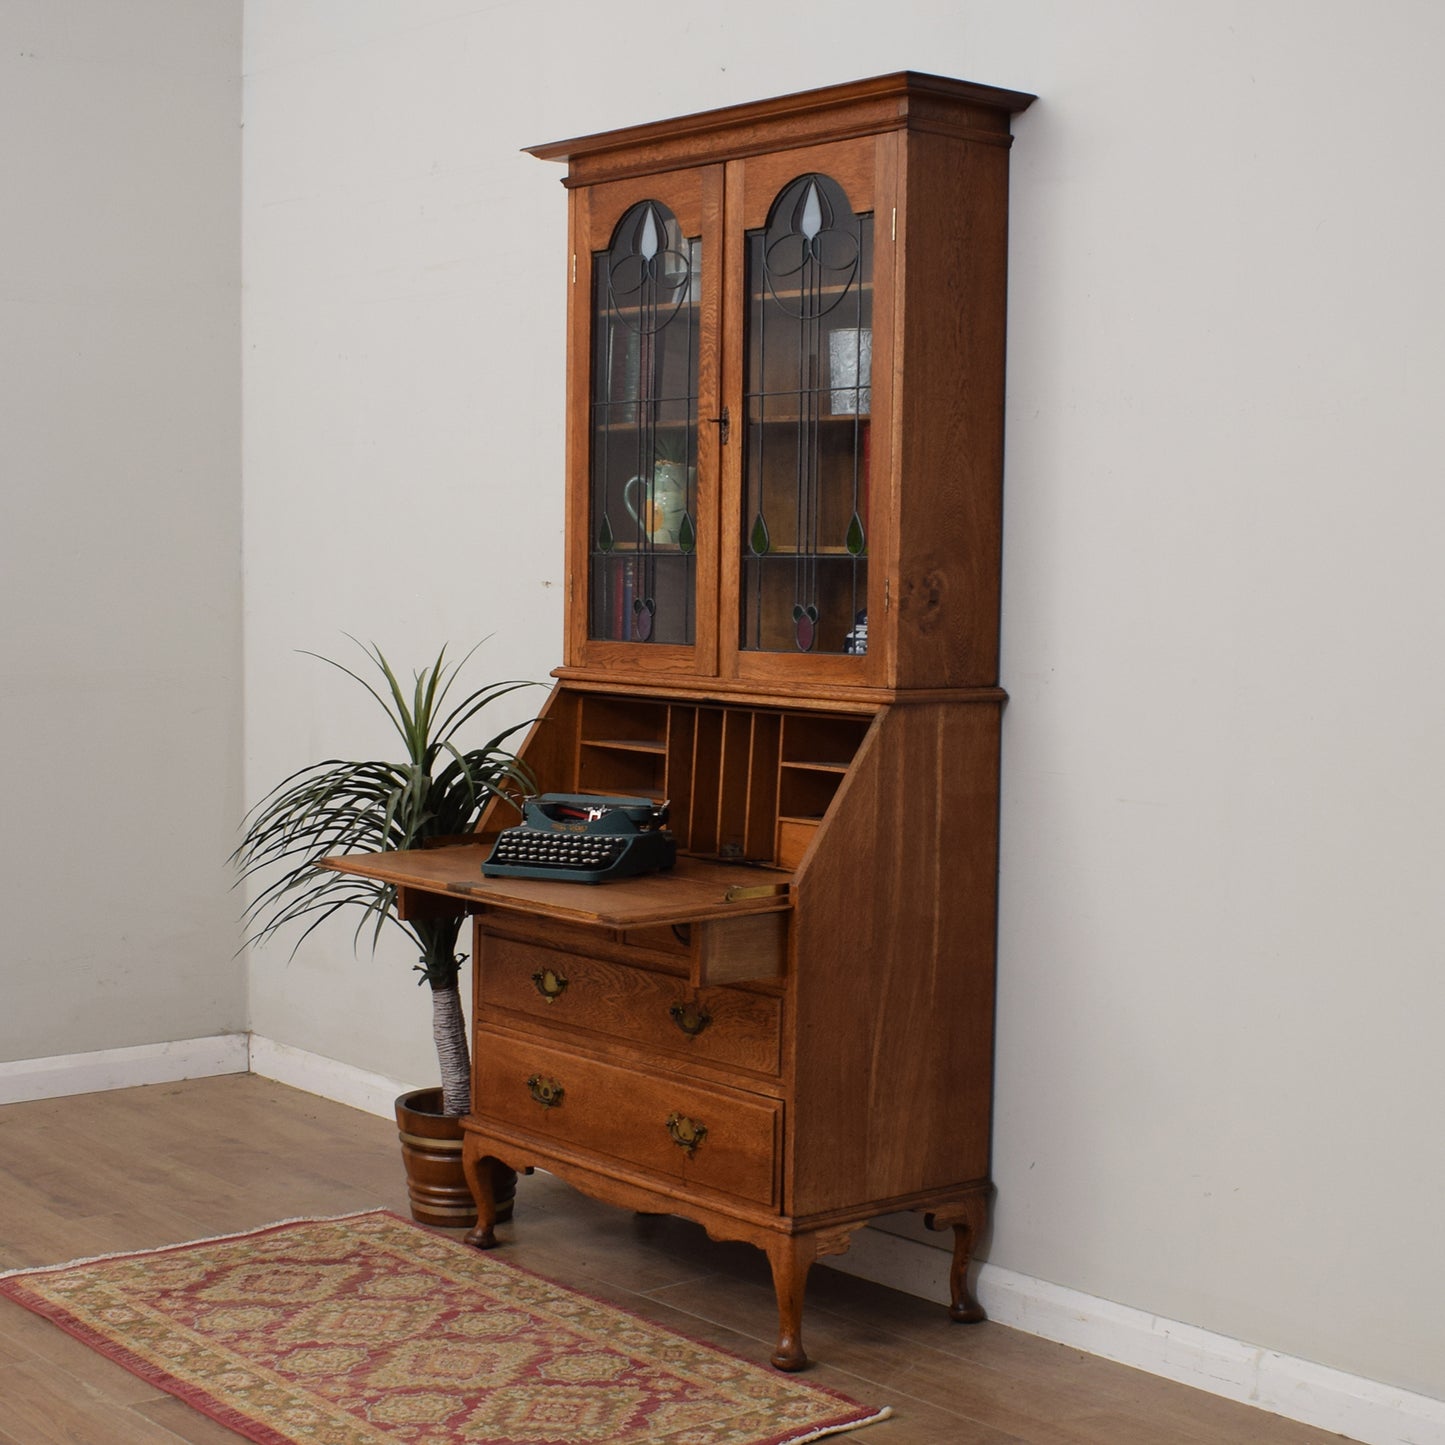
139	1168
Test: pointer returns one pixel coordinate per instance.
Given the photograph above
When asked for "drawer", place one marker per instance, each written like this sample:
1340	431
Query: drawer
726	1026
710	1138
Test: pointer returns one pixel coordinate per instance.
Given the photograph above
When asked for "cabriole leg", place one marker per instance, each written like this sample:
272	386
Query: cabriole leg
791	1257
967	1218
480	1180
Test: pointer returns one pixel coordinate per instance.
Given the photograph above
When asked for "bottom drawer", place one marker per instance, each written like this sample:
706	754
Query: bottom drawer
712	1138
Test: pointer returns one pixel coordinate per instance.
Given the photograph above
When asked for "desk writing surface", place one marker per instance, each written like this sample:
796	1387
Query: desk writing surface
693	890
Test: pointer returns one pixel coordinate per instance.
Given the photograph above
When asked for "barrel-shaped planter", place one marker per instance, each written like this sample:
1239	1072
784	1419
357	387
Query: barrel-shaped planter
431	1148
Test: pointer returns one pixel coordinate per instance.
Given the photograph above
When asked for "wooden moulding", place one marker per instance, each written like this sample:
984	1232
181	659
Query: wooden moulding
814	696
865	107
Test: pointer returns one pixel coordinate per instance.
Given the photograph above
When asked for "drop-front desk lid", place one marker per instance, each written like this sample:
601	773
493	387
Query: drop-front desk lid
694	890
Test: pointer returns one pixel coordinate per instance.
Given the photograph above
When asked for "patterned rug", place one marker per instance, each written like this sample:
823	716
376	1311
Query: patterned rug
369	1330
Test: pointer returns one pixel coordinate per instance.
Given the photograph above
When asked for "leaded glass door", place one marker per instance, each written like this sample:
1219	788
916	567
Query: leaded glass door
649	471
810	391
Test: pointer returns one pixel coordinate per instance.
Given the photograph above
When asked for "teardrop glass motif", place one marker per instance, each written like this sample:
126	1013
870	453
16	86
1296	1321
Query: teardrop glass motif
605	540
759	542
812	221
855	541
686	536
647	237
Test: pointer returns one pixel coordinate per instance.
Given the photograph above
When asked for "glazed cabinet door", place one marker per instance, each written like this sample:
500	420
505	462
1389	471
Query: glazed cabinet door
808	385
642	458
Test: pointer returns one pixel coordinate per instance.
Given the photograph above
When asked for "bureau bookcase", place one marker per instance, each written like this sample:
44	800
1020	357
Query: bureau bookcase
784	466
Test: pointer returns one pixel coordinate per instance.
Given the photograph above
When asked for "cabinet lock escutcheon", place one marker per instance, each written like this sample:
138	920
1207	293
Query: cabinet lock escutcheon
686	1133
547	1092
691	1018
550	984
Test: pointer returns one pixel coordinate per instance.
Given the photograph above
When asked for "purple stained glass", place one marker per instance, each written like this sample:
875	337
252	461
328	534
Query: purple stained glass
805	627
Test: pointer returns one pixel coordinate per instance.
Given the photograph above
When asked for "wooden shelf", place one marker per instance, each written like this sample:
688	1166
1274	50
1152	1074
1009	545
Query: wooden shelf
831	418
678	426
790	553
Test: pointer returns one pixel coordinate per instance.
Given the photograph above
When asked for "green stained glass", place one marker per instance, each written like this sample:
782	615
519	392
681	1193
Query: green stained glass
759	541
855	541
686	536
605	539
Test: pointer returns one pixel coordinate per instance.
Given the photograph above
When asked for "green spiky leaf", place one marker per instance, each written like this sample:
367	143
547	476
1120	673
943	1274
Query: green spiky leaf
339	806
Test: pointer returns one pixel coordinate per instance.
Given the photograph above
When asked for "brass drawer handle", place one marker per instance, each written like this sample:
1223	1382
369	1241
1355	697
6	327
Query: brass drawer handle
691	1018
686	1133
550	983
547	1092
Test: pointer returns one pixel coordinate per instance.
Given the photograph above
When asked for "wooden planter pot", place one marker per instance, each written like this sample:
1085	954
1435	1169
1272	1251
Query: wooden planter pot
431	1148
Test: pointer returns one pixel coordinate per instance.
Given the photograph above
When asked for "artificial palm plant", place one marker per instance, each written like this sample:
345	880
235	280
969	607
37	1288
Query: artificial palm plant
335	806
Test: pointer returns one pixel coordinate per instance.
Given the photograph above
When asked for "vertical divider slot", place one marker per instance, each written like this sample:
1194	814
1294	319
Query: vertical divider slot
681	746
733	783
762	816
707	757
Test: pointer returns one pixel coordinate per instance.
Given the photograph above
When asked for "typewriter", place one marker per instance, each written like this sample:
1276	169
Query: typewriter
584	838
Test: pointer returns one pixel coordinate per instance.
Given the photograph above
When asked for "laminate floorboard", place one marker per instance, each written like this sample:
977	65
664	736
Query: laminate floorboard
139	1168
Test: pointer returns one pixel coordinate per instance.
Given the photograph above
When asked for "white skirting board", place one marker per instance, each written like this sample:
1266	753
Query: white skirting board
315	1074
1349	1405
67	1074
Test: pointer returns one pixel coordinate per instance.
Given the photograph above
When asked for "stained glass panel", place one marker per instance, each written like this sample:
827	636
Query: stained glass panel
644	519
808	398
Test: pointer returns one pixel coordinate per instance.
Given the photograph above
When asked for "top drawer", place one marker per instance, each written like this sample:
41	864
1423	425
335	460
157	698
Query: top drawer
726	1026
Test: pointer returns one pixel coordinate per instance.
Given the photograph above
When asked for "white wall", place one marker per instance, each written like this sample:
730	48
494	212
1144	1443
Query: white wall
1219	1081
119	522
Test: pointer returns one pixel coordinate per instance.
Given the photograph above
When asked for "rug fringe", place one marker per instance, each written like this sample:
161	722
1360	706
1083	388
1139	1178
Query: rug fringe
190	1243
827	1430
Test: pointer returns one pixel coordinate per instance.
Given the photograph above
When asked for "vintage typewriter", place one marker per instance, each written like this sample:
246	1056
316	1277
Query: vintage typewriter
584	838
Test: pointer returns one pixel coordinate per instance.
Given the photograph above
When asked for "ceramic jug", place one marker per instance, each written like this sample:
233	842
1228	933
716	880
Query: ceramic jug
663	502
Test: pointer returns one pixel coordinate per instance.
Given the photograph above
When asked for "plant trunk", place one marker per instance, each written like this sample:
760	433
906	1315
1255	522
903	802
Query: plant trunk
449	1031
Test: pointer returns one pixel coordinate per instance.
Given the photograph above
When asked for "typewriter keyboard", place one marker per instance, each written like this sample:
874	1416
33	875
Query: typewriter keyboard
534	848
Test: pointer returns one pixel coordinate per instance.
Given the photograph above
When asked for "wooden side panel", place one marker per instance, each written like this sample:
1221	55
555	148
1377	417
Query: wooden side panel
953	249
550	752
894	967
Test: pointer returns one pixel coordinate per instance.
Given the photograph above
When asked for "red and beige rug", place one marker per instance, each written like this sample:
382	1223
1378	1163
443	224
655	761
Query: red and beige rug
369	1330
